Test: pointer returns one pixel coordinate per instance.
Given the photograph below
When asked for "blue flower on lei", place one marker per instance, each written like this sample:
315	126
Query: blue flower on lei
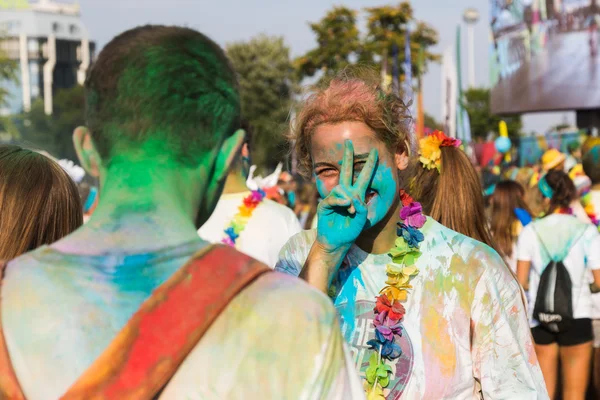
390	350
231	233
411	235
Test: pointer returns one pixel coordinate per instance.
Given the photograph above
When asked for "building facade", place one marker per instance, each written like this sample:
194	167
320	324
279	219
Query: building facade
51	45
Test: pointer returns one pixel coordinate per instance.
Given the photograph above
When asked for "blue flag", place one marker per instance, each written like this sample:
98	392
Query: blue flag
408	89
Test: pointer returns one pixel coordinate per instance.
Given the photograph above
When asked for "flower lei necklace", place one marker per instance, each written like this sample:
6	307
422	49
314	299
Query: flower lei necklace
588	206
389	311
240	220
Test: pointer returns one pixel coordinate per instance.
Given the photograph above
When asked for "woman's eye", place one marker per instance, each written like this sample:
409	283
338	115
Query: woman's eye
359	167
327	173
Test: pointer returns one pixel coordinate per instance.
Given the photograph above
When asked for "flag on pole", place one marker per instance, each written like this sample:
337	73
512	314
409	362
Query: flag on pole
395	70
463	123
408	90
420	111
449	93
459	113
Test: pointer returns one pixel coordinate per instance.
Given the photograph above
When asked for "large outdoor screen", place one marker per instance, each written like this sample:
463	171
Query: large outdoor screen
544	55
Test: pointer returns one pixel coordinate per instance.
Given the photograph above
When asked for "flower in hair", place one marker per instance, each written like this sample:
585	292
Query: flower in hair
429	149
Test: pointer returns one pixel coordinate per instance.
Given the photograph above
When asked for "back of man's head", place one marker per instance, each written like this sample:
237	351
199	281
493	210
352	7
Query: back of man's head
168	90
591	164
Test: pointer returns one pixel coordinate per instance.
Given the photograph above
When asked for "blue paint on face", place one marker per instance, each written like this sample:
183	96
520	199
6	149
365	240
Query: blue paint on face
385	186
321	188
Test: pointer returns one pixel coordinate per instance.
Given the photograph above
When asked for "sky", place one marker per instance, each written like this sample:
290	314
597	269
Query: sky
227	21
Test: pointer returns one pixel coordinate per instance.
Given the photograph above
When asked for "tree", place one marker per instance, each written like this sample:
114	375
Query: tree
431	123
53	133
8	72
340	44
477	104
267	85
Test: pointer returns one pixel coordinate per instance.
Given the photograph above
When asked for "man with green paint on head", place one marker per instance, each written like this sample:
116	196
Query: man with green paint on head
134	304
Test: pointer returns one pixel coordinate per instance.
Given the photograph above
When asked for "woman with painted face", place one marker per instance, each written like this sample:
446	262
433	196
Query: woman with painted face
428	313
560	237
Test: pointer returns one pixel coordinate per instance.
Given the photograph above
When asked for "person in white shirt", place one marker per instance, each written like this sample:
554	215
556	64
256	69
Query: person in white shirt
591	167
560	236
269	226
446	321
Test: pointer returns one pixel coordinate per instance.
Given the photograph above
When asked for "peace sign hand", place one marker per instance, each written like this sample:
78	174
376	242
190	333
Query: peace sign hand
342	215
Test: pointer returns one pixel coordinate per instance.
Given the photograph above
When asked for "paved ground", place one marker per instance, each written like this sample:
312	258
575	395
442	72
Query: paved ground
562	77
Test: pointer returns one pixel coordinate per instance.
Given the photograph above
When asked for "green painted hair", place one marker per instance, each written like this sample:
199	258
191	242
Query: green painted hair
169	85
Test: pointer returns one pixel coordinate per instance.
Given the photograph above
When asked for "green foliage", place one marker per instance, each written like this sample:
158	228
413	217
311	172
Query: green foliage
431	123
8	72
339	42
267	85
477	104
54	133
385	27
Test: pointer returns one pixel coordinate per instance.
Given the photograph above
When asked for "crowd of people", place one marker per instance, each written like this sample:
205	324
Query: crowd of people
387	269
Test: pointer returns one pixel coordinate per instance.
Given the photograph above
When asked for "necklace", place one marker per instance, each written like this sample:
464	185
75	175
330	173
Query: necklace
240	220
389	310
588	206
564	210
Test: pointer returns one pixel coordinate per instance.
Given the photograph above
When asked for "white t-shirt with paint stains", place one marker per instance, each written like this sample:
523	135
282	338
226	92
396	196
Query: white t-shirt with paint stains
269	228
465	319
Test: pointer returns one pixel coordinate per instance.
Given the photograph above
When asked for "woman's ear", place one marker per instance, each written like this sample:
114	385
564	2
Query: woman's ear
86	151
401	157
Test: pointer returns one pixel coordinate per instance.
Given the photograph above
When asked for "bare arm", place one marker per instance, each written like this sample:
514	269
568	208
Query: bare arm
595	286
321	265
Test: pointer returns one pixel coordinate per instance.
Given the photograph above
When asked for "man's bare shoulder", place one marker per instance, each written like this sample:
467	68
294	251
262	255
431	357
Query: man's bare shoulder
281	293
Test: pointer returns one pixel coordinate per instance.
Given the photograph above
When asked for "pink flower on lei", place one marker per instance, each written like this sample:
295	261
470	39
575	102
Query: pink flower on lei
412	215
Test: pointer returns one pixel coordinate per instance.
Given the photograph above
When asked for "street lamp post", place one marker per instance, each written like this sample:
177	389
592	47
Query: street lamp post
471	16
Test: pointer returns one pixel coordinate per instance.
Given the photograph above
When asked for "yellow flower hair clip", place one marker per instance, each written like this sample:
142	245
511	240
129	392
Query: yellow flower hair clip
430	154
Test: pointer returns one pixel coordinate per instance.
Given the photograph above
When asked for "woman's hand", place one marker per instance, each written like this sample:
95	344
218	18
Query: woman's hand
342	215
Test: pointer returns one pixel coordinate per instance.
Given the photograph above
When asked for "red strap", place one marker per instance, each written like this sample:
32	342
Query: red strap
147	352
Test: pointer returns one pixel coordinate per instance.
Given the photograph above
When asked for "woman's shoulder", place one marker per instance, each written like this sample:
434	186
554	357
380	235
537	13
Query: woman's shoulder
294	253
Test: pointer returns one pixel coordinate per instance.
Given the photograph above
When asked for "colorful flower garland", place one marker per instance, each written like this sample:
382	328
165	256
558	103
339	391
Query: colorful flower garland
588	206
240	220
389	311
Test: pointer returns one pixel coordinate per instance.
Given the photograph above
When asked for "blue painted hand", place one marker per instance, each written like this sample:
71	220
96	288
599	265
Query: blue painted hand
342	215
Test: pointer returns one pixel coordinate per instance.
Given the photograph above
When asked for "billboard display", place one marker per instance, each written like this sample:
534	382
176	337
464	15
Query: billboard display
544	55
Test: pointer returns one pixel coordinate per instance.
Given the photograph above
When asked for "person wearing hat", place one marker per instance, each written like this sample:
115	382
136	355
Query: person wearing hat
553	159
